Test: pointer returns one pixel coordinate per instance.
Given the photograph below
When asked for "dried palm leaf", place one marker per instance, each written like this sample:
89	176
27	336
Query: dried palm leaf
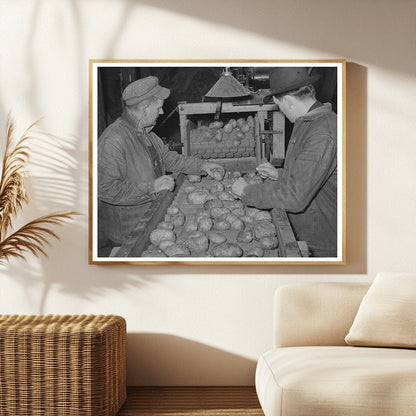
12	182
32	237
35	235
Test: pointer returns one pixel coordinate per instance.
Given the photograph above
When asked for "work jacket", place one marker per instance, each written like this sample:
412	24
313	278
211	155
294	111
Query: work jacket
128	163
307	184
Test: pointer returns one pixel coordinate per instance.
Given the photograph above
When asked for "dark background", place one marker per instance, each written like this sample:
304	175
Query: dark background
190	84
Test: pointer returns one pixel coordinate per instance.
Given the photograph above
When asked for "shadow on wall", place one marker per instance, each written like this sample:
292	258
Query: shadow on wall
161	359
65	183
334	27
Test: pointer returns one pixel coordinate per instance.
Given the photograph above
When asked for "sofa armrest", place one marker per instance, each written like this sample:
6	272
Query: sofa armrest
308	314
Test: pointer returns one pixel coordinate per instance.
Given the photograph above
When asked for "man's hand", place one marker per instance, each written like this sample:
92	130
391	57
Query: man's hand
267	171
239	186
163	183
214	170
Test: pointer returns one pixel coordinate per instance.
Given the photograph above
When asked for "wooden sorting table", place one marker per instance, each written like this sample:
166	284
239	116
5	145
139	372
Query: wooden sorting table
139	239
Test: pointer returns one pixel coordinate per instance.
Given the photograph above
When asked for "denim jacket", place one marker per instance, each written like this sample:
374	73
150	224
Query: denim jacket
307	183
128	163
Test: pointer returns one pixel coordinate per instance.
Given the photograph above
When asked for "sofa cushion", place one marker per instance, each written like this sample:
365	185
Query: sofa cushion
387	314
342	381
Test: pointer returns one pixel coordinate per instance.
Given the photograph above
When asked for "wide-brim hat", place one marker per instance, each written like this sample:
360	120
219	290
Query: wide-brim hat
144	88
287	78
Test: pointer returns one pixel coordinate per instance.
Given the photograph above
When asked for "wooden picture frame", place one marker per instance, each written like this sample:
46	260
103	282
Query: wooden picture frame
188	112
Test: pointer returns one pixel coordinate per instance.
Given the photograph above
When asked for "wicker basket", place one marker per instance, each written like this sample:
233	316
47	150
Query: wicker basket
53	365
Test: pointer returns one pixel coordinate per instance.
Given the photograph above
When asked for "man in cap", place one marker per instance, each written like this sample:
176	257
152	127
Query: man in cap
133	162
306	186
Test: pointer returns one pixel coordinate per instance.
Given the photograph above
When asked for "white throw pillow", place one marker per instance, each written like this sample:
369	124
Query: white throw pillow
387	314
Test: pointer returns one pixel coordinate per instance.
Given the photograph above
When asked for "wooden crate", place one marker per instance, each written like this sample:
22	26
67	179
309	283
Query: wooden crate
256	150
62	365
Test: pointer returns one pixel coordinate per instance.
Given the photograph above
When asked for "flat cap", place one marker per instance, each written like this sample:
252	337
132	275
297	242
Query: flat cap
144	88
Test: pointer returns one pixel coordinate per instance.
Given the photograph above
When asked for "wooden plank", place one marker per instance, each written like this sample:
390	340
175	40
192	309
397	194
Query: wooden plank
210	108
185	135
257	139
278	136
288	246
262	116
139	237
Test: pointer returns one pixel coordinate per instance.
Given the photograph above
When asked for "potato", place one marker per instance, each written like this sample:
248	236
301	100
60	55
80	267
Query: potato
213	203
194	178
164	225
191	223
250	121
216	125
216	238
226	196
172	210
211	197
239	212
205	224
263	215
268	243
177	220
190	188
250	175
264	229
218	174
219	136
219	212
255	252
205	133
237	225
176	250
165	244
240	135
247	219
232	122
227	250
236	174
228	128
216	187
245	236
221	225
153	253
197	242
252	212
197	197
257	180
201	214
245	128
157	236
231	205
228	182
229	217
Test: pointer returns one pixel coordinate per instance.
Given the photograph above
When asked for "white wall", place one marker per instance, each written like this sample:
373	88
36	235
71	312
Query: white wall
187	324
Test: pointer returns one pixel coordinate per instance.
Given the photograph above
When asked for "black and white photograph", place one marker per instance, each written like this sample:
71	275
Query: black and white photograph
217	162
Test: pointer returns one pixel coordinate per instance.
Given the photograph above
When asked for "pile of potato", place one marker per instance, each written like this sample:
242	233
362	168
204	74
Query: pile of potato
232	132
220	225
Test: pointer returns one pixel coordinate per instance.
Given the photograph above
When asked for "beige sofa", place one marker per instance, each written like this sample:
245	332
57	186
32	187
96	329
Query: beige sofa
311	371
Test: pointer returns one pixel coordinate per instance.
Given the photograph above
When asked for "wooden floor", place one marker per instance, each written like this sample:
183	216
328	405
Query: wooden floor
191	401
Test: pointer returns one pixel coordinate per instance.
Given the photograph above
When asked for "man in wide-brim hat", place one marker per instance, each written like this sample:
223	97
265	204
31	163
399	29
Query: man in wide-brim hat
306	186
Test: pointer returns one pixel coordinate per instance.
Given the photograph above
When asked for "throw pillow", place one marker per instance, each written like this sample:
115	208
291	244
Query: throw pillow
386	316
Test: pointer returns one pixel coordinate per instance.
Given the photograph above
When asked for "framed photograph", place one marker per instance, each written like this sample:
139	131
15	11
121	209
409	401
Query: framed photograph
217	162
